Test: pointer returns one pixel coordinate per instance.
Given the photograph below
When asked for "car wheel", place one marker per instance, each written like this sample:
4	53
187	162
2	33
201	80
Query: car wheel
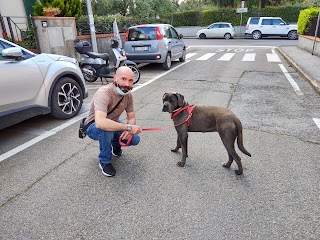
136	73
167	64
256	35
88	77
66	98
202	36
227	36
292	35
183	57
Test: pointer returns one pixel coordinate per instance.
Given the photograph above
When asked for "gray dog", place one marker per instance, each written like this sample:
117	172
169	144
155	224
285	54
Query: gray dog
204	119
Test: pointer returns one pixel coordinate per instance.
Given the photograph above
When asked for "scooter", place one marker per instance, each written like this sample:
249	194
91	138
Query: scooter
96	65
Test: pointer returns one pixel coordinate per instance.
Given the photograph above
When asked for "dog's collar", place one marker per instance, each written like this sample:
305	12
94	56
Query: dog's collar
179	110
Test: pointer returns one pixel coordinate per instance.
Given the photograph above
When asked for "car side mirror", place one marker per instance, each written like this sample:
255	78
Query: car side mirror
12	53
180	36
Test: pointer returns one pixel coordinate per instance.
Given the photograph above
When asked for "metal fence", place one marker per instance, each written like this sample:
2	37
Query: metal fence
19	30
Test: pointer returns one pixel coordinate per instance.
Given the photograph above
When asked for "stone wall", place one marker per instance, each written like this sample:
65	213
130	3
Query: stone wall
56	35
309	44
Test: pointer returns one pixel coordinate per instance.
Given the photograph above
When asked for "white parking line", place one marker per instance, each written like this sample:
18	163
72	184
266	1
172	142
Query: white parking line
206	56
291	81
41	137
55	130
317	121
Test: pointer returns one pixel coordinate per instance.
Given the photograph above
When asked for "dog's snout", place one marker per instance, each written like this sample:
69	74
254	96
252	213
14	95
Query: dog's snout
165	107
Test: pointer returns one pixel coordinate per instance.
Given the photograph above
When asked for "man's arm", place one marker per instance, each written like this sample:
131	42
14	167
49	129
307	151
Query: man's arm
104	123
131	117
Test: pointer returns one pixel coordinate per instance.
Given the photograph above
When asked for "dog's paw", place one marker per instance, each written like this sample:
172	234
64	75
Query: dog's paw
174	150
226	165
238	172
180	164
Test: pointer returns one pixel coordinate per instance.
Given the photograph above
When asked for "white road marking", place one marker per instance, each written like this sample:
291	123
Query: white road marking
206	56
55	130
249	57
317	121
291	80
226	57
41	137
273	57
189	55
228	46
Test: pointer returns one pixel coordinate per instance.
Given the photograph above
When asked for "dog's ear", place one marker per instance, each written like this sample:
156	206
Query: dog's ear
180	99
164	95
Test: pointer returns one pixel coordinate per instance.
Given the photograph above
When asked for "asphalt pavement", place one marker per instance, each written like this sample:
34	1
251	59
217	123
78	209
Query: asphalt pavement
304	62
55	189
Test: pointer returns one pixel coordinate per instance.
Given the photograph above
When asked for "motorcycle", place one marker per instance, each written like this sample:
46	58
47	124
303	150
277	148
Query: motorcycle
96	65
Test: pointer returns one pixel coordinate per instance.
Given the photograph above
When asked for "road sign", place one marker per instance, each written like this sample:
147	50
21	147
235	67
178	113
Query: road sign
241	10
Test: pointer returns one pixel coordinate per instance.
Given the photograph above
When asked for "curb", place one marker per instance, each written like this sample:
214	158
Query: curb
305	75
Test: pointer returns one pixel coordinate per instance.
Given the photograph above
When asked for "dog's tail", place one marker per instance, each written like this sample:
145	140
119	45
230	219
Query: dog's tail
240	138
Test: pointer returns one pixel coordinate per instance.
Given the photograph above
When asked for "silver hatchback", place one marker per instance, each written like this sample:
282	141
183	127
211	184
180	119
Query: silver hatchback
154	43
33	84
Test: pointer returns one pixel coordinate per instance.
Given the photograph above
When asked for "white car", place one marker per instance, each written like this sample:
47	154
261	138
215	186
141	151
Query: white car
259	27
217	30
34	84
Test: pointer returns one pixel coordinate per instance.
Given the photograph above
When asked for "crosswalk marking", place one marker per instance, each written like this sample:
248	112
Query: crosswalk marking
226	57
189	55
273	57
249	57
206	56
317	121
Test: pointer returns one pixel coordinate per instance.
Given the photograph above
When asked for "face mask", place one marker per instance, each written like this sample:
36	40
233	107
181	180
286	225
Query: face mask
120	91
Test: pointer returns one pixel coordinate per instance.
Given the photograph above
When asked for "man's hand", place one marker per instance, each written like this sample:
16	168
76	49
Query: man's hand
135	130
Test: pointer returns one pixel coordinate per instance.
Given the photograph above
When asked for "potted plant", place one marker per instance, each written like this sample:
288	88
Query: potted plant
51	11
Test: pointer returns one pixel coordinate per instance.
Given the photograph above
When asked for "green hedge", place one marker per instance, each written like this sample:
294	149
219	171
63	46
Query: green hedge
192	18
305	19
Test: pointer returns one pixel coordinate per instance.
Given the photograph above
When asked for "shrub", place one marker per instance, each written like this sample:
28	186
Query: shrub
305	19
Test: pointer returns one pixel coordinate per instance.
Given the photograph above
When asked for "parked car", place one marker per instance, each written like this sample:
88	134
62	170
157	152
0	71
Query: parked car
259	27
217	30
154	43
34	84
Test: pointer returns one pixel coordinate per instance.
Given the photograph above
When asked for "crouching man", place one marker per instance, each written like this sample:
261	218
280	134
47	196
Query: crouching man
103	124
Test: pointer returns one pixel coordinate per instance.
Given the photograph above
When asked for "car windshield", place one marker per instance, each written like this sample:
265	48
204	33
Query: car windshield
142	33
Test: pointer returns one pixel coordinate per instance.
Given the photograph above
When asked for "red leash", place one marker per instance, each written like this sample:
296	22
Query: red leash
190	109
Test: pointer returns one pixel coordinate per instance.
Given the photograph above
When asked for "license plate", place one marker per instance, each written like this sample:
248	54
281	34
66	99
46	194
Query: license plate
141	48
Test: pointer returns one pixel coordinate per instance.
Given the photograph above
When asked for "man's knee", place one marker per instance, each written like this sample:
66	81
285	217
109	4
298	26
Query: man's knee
135	140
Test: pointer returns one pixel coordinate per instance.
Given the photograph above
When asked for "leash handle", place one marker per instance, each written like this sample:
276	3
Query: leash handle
124	144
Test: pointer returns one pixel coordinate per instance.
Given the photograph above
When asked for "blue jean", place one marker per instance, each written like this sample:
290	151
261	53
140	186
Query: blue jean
106	140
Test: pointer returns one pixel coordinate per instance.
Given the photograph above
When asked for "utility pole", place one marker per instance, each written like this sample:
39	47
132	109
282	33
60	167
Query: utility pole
92	29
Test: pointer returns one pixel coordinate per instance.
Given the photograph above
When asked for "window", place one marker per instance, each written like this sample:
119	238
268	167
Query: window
254	20
167	32
277	22
266	22
144	33
174	33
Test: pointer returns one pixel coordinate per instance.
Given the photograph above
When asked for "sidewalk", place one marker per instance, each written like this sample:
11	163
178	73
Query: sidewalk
304	62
